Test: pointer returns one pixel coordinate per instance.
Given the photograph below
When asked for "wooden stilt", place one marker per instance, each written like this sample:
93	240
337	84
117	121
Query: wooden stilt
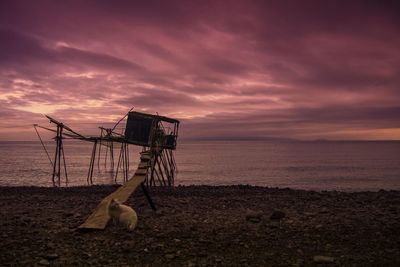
146	193
91	165
59	153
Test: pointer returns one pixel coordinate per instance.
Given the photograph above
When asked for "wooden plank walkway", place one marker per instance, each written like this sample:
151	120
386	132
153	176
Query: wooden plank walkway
99	218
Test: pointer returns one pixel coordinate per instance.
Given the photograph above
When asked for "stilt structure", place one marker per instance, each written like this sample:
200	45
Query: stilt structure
157	135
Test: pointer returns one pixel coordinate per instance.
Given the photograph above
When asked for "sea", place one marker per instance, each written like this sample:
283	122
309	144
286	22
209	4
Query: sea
310	165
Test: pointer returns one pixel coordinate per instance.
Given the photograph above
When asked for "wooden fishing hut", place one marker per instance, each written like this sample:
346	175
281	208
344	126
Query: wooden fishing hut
157	135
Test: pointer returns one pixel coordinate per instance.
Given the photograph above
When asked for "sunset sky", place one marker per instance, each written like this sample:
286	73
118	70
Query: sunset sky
228	69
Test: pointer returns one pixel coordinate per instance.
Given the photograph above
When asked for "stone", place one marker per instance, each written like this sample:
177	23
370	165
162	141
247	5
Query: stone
277	215
126	250
169	256
44	262
323	259
202	254
253	216
254	220
52	256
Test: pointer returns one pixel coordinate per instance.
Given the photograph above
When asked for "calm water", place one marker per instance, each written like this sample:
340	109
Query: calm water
349	166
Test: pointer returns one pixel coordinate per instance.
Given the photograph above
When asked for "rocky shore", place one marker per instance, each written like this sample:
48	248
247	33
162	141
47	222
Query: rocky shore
203	226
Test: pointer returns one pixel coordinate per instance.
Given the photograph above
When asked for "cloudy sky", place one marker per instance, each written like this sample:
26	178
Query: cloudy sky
228	69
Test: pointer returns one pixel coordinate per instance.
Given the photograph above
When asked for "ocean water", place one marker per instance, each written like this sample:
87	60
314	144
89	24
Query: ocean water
346	166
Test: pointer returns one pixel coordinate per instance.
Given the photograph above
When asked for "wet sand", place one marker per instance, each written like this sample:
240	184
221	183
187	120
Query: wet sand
203	226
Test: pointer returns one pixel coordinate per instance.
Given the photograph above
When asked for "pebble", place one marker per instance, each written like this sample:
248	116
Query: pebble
323	259
254	220
227	227
253	216
202	254
169	256
52	256
277	215
44	262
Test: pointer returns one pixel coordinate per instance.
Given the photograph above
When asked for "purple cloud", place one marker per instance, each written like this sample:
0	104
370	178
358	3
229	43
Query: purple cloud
237	69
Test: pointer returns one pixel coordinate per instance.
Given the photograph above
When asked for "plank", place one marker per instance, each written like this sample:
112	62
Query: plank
141	172
99	218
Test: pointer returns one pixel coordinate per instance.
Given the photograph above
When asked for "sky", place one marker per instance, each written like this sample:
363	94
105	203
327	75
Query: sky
227	69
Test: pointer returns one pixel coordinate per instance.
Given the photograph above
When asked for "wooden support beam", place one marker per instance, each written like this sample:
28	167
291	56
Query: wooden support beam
99	218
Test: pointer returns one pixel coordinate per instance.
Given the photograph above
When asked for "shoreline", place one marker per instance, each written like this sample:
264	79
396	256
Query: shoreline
221	186
203	226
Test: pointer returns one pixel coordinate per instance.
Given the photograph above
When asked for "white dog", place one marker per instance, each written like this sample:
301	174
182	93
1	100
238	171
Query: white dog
122	214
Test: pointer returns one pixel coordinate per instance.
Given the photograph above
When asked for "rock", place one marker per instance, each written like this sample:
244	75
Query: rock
44	262
299	262
323	259
254	220
202	254
126	250
253	216
324	211
277	215
52	256
169	256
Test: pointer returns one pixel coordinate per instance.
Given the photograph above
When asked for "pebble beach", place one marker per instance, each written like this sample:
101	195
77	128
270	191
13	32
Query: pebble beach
203	226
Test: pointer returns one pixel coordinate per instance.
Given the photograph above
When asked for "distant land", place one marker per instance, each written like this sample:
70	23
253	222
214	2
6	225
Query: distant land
219	139
278	139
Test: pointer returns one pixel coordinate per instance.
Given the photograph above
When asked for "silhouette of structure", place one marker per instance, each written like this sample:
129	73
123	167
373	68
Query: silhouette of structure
157	135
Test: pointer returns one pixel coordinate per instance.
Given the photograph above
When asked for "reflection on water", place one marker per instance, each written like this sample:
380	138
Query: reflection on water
307	165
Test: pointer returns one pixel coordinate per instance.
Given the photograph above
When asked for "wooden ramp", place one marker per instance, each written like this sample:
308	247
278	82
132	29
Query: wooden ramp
99	218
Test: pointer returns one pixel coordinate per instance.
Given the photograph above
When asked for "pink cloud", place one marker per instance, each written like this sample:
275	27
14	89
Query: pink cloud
237	69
